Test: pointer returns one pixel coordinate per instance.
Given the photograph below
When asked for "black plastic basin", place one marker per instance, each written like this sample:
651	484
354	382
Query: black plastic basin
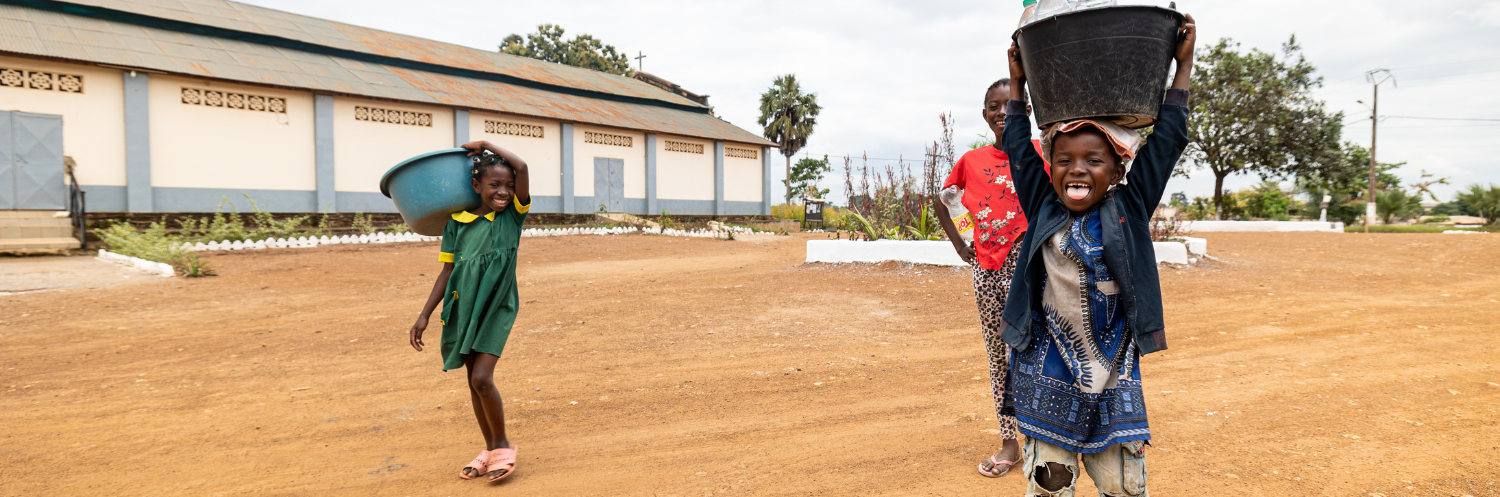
1107	63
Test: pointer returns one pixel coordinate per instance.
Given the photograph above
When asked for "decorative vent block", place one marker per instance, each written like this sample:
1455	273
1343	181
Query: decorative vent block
608	139
513	129
37	80
392	116
229	100
691	148
741	153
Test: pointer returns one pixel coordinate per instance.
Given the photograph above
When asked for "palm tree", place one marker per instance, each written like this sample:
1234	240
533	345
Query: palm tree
1484	201
788	116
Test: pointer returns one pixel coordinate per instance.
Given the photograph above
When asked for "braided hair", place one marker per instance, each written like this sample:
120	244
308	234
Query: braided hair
484	161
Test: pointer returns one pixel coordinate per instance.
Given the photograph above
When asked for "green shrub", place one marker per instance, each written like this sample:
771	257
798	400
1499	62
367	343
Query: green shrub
787	211
398	228
154	244
217	229
1440	218
362	224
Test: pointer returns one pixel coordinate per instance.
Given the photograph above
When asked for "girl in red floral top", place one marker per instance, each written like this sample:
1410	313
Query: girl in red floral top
990	196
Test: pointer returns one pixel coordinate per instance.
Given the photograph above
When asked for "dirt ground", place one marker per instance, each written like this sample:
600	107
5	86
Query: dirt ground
1302	364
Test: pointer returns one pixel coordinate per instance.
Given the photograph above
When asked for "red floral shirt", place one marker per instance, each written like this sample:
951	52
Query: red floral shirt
990	196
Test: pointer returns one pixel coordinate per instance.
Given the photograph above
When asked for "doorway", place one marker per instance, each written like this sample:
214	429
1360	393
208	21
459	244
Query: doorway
609	184
31	162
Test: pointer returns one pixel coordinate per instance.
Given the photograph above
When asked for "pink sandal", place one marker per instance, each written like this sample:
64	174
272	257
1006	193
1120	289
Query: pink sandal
995	465
478	464
501	460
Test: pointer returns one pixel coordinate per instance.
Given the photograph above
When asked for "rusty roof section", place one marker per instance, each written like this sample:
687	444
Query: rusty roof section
375	63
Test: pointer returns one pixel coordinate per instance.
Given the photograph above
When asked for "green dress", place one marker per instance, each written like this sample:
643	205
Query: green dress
481	301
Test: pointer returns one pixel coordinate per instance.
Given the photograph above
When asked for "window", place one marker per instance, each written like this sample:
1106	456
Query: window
608	139
513	129
37	80
741	153
229	100
392	116
691	148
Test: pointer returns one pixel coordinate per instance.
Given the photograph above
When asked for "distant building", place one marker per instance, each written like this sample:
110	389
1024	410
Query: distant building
170	106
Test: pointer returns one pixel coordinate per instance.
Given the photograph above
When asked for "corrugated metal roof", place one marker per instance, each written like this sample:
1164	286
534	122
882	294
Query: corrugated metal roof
47	33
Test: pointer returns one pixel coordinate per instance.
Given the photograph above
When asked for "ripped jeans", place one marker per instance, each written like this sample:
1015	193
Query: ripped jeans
1119	471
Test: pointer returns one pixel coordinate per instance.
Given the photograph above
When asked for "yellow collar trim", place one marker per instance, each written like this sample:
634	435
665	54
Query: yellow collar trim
466	217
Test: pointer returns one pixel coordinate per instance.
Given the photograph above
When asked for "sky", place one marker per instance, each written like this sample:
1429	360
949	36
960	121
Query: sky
884	70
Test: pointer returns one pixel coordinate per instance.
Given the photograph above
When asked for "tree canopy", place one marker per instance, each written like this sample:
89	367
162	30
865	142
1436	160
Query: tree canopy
806	174
788	116
1253	112
582	51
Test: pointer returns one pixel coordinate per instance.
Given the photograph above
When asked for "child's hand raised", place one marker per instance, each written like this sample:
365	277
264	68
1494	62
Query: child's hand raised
474	148
1017	71
1188	37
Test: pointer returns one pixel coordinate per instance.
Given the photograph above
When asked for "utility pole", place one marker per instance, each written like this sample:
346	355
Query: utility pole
1374	129
638	57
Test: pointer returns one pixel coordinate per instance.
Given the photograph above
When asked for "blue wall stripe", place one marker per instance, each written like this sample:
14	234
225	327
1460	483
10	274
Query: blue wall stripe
718	178
651	173
327	198
567	169
138	197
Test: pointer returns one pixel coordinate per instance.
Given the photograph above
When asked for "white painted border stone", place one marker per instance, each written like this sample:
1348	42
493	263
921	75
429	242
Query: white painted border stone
157	268
1171	252
937	253
1261	226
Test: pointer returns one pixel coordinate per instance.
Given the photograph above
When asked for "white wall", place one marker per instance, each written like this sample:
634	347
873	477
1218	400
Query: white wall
742	177
198	146
363	150
93	121
543	155
634	157
685	176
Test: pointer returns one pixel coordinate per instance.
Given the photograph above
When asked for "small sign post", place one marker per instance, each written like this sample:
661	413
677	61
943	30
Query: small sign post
812	212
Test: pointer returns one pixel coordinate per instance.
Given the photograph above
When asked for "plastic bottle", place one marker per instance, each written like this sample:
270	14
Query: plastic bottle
1028	11
1049	8
962	221
1092	4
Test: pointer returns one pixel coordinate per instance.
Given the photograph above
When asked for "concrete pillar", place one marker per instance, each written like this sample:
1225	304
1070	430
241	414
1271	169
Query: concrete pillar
718	178
567	168
327	197
765	177
460	127
138	191
651	207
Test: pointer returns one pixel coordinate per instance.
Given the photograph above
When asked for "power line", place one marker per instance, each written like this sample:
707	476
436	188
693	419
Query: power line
1443	118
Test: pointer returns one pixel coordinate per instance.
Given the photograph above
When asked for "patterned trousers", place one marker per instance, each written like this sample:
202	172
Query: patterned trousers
991	286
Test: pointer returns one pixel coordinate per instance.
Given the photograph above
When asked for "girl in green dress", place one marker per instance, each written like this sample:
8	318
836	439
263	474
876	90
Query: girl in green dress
478	290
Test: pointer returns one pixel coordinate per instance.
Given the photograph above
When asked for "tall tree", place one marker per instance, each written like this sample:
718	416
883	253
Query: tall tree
1485	201
806	174
788	116
584	51
1254	113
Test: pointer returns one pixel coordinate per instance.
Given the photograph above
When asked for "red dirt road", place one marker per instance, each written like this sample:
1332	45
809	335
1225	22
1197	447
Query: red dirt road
1303	364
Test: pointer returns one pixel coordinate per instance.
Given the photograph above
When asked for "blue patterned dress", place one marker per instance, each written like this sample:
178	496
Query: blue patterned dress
1079	385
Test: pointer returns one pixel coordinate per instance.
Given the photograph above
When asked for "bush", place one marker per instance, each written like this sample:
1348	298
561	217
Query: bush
154	244
787	211
1440	218
1482	201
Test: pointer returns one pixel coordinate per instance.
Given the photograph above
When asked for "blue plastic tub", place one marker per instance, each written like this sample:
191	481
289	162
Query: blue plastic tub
430	187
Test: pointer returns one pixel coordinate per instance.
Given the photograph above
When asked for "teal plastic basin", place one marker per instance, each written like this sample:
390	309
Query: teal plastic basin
430	187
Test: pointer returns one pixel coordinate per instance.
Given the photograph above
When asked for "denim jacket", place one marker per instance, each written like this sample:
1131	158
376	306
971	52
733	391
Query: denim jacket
1126	212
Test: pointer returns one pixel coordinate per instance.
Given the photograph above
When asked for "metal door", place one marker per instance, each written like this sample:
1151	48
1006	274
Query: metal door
609	183
36	143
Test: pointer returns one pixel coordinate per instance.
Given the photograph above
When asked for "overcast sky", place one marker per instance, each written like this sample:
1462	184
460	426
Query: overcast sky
883	70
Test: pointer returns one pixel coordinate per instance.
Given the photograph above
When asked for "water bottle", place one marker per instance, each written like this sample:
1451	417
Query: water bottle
1028	11
962	221
1049	8
1091	4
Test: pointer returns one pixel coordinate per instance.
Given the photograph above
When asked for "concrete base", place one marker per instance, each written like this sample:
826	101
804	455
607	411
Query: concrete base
1261	226
38	243
937	253
1171	252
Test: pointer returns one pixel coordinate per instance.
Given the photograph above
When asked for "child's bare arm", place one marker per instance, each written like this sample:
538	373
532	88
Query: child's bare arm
1027	168
1154	164
1184	55
438	287
523	176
